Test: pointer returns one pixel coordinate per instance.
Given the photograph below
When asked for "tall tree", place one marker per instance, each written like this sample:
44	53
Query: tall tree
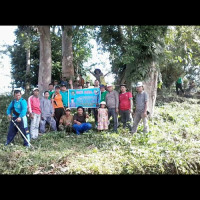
135	52
67	52
45	66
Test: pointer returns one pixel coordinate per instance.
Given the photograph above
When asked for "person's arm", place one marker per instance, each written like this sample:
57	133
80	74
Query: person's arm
75	120
146	105
61	120
29	107
106	74
8	112
71	84
117	101
23	111
131	102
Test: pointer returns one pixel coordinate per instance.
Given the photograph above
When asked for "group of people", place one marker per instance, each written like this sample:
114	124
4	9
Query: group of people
53	109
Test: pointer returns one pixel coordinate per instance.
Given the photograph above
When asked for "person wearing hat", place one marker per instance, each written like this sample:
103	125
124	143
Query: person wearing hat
141	109
58	106
99	76
102	117
64	93
66	121
112	102
125	106
18	107
47	113
34	113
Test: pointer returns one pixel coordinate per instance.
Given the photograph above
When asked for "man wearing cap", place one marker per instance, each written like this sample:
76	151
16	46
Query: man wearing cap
19	108
64	93
47	113
34	112
125	106
141	109
112	102
57	103
66	121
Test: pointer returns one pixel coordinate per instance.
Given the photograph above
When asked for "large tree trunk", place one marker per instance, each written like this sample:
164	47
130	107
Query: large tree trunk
28	67
150	86
45	66
67	52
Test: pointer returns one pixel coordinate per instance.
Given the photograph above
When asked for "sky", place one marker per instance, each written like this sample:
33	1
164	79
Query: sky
7	37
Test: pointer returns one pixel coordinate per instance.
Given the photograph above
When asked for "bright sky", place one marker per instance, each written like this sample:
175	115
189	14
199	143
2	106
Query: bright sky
7	37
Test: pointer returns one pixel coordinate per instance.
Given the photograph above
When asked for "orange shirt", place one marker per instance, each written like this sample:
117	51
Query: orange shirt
57	101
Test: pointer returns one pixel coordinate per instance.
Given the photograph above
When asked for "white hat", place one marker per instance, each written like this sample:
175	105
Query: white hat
17	89
109	85
103	102
35	89
139	84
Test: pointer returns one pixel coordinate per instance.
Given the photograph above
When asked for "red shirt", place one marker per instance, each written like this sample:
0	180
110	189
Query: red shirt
124	101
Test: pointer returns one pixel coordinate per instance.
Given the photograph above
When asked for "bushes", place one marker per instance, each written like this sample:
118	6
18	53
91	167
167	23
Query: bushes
171	147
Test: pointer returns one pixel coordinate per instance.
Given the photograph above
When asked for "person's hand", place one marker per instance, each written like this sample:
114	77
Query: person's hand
18	119
9	117
70	82
117	110
144	114
79	123
42	118
53	115
31	115
87	116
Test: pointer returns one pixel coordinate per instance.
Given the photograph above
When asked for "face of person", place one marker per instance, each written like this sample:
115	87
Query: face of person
50	87
80	111
139	89
18	96
46	95
67	112
57	90
110	89
36	93
102	89
96	83
72	100
55	82
123	89
63	88
103	106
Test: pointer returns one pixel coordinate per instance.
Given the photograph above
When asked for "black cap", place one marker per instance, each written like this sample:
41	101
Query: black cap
123	85
57	86
63	85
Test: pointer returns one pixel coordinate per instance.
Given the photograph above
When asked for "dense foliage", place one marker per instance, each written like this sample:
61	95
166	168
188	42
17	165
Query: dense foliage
171	147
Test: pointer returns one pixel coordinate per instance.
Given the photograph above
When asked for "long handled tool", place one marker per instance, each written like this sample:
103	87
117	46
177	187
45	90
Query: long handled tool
22	133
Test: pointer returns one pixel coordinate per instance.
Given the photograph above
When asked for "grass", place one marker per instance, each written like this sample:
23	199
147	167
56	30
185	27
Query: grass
171	147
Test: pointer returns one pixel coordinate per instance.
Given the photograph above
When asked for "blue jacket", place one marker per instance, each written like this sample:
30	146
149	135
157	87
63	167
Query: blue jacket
20	107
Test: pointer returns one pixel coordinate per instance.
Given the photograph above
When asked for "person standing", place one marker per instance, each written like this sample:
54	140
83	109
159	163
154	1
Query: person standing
179	84
125	106
34	113
51	90
66	121
64	93
95	110
112	102
103	93
47	113
141	109
79	120
19	108
102	117
57	103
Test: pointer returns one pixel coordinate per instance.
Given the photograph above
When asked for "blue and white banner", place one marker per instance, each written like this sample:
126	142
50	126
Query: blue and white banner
87	98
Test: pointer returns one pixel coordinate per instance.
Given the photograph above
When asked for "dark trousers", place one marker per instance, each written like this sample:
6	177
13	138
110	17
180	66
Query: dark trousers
125	118
179	86
13	131
112	112
95	113
58	114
